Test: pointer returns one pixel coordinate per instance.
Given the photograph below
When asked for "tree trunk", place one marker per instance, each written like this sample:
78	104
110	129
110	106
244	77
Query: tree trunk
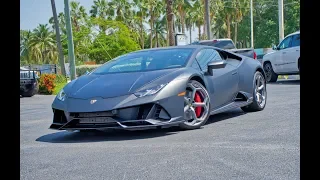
174	24
157	39
182	19
235	33
183	24
76	25
190	35
43	56
204	31
167	34
170	22
151	27
58	38
199	33
141	32
228	27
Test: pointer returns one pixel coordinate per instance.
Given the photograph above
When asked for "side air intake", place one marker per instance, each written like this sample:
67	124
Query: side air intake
240	97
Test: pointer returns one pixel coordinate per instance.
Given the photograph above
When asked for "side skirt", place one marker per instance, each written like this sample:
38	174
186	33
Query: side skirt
233	105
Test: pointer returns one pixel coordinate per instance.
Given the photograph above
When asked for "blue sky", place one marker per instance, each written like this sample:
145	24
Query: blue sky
35	12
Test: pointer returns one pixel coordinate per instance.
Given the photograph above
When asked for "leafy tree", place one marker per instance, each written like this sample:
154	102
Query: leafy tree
43	44
117	40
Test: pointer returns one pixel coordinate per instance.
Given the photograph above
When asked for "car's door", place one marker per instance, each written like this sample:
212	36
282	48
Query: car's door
283	49
223	84
291	55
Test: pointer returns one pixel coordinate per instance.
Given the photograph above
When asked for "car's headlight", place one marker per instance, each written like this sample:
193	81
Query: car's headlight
150	91
61	95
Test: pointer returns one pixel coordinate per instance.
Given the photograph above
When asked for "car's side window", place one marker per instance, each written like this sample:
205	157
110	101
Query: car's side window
295	40
285	43
205	56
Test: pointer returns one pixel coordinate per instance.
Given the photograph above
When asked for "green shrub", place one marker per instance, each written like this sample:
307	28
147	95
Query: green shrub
58	87
60	78
81	70
47	83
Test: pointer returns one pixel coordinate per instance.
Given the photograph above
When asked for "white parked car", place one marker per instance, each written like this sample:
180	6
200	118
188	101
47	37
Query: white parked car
284	59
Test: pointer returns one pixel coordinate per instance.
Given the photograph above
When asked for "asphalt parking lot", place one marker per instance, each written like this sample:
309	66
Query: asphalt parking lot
232	145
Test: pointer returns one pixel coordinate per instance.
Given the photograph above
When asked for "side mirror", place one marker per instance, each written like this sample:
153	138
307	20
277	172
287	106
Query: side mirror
216	65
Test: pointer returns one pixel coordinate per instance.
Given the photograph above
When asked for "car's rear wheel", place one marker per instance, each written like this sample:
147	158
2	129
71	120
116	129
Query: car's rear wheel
259	94
196	106
271	76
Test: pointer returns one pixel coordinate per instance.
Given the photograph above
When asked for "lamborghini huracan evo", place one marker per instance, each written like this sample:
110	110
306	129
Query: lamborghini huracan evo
161	87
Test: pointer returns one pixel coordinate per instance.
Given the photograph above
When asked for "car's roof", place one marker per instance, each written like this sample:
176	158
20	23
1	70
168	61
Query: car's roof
171	47
222	39
297	32
22	68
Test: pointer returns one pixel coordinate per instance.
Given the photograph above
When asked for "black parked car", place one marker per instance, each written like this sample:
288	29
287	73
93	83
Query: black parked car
28	82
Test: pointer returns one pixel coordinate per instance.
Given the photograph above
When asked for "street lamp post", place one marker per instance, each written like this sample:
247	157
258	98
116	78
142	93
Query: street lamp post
281	26
251	14
70	40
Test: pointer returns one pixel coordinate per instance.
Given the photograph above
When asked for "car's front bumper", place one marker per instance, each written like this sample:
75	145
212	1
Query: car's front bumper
145	117
123	112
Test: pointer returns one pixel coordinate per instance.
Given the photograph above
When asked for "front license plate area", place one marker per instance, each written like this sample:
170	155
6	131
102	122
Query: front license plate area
96	120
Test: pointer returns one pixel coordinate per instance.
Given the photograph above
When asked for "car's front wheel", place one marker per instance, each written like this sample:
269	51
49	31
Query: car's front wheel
271	76
31	92
196	106
259	94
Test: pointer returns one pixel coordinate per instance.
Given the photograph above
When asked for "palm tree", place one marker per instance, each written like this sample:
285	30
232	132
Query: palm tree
26	53
62	23
154	11
198	11
181	6
159	30
215	7
228	15
43	43
169	13
190	21
140	16
78	14
99	8
121	8
242	7
58	37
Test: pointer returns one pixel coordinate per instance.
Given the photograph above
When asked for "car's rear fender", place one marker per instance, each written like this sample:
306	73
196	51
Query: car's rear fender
246	71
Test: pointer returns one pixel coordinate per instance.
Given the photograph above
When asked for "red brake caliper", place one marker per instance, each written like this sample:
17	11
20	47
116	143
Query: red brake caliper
197	98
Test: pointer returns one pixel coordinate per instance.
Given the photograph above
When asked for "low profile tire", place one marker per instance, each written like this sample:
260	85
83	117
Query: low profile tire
271	76
196	106
259	94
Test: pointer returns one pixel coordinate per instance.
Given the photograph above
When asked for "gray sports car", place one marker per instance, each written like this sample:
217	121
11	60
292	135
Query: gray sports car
161	87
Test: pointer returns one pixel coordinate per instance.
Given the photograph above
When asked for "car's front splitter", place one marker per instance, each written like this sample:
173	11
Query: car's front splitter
126	125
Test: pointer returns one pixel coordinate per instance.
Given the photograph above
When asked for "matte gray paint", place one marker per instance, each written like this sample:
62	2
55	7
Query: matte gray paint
114	91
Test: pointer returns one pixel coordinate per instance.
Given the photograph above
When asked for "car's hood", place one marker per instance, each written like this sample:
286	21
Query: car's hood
112	85
270	53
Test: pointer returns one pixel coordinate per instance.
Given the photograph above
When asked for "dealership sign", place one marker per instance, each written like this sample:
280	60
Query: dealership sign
181	39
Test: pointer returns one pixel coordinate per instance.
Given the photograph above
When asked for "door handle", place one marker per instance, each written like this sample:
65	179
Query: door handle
234	73
284	53
297	50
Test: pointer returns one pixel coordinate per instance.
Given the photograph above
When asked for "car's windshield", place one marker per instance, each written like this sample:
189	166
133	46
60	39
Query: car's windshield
147	61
